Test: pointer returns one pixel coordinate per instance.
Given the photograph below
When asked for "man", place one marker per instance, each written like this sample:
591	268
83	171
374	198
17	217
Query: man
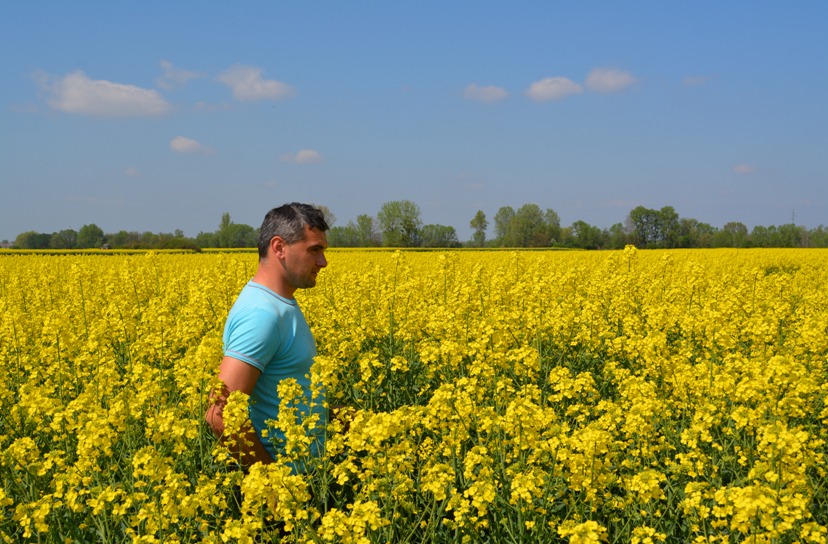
266	337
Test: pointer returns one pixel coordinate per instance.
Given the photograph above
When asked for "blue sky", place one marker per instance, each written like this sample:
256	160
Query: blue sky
156	116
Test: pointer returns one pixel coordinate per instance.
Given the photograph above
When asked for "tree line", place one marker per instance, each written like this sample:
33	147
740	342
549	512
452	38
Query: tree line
399	224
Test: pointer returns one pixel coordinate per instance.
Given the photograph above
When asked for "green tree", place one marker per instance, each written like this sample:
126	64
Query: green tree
399	221
207	239
643	225
585	236
530	228
90	236
346	236
65	239
790	235
241	235
616	236
760	236
479	224
438	236
32	240
732	234
668	227
366	231
223	232
818	237
502	224
553	224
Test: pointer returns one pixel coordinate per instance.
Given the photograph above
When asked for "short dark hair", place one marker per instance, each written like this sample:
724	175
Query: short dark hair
289	221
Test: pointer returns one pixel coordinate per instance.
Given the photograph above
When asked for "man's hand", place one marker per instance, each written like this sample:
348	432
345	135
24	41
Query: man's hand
236	375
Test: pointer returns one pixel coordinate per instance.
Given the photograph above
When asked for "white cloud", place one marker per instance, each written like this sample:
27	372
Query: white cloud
247	84
132	172
174	77
303	156
76	93
744	169
608	80
180	144
553	88
489	93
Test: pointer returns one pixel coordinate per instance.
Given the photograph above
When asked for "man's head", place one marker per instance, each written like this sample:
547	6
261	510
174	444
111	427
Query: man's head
289	222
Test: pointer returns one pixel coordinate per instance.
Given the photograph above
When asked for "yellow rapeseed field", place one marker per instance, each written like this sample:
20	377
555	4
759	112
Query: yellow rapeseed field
495	396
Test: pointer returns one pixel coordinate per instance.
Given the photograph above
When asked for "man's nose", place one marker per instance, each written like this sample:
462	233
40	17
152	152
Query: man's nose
322	261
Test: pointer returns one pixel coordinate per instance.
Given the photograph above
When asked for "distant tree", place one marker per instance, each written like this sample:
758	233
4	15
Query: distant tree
207	239
529	227
732	234
346	236
438	236
119	239
241	235
232	234
553	224
400	222
479	224
668	227
65	239
366	231
585	236
502	224
818	237
654	228
760	236
223	232
32	240
693	233
790	235
148	239
90	236
616	236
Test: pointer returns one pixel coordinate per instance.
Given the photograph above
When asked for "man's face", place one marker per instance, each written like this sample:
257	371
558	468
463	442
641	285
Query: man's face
305	258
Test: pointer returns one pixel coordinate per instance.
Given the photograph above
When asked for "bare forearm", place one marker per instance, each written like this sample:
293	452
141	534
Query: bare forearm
245	445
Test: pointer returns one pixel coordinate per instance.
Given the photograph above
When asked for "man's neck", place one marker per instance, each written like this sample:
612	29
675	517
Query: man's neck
270	279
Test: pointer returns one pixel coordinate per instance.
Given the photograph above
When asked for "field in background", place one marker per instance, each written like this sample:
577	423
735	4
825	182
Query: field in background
628	396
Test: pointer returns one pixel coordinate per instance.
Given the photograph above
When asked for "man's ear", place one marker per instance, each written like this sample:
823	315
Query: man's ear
277	247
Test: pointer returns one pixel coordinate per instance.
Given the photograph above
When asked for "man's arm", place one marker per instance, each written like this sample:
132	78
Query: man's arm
236	375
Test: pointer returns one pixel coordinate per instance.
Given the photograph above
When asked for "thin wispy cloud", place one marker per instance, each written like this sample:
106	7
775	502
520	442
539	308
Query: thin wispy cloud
181	144
132	172
744	169
619	203
247	83
694	81
488	93
303	156
608	80
76	93
553	88
174	77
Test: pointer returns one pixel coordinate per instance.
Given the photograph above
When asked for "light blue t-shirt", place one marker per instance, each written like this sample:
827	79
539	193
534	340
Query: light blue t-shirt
270	333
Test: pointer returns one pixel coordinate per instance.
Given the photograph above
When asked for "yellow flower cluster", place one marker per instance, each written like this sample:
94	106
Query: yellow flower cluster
626	396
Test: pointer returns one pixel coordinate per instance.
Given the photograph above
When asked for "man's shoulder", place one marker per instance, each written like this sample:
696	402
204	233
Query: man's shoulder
257	294
261	307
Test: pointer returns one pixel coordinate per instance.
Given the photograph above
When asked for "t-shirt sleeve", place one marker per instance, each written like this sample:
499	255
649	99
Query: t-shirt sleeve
253	337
